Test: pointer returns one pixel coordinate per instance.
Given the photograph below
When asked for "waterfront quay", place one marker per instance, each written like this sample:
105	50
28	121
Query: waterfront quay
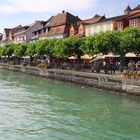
116	83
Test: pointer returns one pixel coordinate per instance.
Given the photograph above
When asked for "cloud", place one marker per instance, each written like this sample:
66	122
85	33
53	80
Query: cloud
39	6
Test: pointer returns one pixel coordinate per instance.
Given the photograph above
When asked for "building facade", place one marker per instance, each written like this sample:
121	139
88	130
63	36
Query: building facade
8	35
104	25
131	18
80	28
25	33
57	26
65	24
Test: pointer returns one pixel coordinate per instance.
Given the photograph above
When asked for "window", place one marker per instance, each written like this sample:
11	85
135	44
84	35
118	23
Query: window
95	30
80	31
101	28
108	27
44	30
88	31
134	22
71	33
120	25
21	38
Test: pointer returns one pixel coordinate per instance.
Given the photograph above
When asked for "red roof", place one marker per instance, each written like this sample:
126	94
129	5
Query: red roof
63	19
137	15
61	23
136	8
56	30
95	19
129	16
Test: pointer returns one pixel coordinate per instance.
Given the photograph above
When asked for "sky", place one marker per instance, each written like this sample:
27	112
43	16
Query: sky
24	12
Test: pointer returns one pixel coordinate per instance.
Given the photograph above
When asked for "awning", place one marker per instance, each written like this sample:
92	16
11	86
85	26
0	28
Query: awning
86	56
72	58
131	55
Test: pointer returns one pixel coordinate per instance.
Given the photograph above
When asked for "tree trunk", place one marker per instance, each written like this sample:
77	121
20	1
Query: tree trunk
19	61
122	63
78	62
31	60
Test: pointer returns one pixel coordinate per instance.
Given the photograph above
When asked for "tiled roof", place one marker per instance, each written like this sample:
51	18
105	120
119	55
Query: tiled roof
7	31
130	15
61	23
134	16
63	19
136	8
19	33
114	18
56	30
13	30
93	20
128	8
121	17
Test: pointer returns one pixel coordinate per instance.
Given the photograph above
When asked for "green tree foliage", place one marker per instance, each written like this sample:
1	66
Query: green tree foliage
113	41
20	50
73	46
0	51
107	42
130	41
7	50
41	47
88	46
50	47
31	49
59	49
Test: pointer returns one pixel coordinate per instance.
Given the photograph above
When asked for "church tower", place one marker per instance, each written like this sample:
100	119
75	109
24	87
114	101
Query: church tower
127	10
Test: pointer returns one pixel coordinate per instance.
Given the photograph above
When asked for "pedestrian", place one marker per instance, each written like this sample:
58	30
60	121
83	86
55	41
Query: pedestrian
138	66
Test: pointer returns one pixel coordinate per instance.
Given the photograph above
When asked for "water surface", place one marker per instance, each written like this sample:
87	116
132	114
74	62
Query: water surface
33	108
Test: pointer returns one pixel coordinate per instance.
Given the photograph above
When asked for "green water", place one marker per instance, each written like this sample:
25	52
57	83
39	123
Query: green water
33	108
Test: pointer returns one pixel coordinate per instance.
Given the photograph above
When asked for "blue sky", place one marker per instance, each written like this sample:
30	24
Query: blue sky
15	12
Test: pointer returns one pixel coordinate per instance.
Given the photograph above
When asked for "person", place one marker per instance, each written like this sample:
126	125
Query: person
133	66
112	65
138	66
130	65
106	66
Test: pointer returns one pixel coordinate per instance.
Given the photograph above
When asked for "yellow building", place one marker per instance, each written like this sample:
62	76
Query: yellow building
108	24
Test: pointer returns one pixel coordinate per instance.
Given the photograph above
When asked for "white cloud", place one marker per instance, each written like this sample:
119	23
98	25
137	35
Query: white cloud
38	6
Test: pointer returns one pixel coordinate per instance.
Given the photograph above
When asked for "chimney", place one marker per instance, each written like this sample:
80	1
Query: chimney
63	11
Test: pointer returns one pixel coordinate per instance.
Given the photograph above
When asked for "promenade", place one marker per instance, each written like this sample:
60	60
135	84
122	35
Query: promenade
115	83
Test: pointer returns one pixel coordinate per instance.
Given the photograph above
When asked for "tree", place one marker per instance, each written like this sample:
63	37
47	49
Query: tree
107	42
130	40
41	47
60	48
73	46
31	51
20	50
50	49
7	50
88	46
0	51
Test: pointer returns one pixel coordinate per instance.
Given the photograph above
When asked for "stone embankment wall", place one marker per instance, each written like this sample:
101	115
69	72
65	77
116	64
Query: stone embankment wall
107	82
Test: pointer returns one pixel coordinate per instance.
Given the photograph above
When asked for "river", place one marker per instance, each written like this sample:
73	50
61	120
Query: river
33	108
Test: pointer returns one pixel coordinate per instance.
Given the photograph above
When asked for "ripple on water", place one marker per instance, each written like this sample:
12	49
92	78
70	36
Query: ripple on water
39	109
